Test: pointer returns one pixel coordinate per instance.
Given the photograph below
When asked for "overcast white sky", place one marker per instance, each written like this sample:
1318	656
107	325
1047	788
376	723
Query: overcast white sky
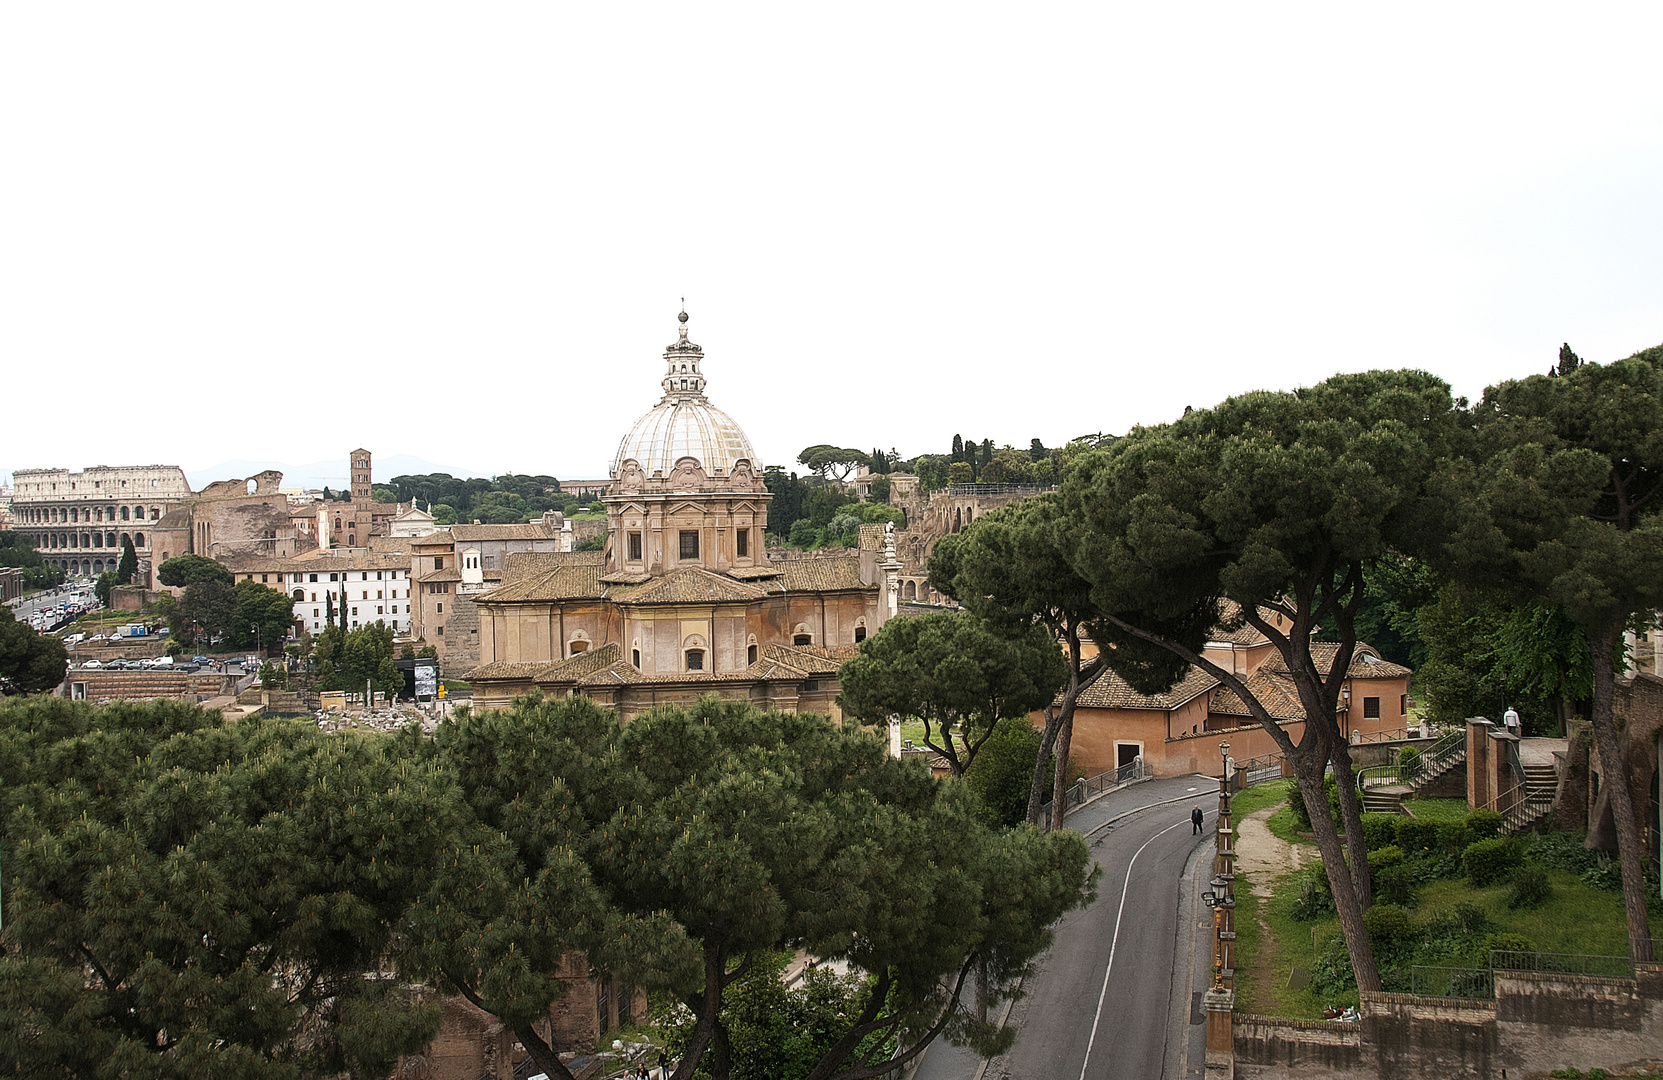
462	232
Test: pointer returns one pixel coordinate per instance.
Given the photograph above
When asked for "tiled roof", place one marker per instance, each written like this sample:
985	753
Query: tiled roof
566	579
821	575
751	573
687	585
506	669
1366	662
441	575
325	562
1229	615
530	530
1278	697
539	576
775	660
1110	691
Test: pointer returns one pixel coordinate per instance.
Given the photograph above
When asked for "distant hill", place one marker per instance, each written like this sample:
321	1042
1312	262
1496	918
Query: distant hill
331	473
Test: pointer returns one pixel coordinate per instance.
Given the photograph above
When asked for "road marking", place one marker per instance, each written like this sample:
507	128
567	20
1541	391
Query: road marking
1114	944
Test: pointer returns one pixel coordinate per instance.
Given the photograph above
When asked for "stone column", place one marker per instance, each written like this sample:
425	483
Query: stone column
1479	791
1220	1048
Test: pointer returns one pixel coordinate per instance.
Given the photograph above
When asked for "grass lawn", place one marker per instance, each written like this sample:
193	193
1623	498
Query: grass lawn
1271	943
1437	809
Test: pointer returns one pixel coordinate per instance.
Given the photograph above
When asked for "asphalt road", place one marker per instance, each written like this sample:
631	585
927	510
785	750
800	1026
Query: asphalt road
1118	993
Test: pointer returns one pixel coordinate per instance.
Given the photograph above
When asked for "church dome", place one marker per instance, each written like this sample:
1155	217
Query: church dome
684	423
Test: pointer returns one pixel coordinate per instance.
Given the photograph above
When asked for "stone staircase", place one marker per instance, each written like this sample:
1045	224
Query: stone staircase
1541	785
1384	800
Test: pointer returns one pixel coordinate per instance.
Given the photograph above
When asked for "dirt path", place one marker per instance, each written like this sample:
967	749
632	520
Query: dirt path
1264	857
1261	854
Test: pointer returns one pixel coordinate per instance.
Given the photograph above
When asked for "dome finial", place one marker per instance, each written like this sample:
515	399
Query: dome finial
682	318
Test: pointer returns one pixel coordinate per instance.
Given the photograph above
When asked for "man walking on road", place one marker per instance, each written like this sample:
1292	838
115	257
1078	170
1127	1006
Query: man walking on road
1195	821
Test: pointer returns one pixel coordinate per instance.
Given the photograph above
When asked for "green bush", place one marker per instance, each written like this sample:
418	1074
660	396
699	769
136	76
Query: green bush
1409	764
1417	836
1490	861
1480	954
1302	813
1316	895
1380	830
1485	824
1391	931
1454	837
1393	882
1530	887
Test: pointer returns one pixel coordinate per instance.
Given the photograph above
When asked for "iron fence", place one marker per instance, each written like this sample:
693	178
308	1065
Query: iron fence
1452	982
1561	963
1087	788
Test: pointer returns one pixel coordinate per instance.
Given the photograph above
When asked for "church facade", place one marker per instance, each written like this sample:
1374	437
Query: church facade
685	599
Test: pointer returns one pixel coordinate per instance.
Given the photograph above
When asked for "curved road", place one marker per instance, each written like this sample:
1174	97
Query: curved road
1118	993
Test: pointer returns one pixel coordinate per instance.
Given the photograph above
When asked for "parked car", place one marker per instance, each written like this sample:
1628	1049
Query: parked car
92	664
200	660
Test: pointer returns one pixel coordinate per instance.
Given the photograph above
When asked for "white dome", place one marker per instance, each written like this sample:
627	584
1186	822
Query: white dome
675	429
684	423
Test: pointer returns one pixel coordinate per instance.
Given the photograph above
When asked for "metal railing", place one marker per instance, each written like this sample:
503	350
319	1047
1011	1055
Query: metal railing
1561	963
1087	788
1452	982
1445	753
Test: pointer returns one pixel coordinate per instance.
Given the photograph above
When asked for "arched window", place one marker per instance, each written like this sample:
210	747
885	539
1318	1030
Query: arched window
802	639
635	658
860	633
123	513
138	539
299	594
750	654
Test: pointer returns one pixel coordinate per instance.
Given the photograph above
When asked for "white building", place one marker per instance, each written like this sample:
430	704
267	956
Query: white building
373	587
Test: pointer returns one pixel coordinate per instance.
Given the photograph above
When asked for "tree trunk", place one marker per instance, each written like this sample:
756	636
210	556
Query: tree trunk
709	1007
1351	812
1614	767
1059	789
542	1053
1309	772
1036	790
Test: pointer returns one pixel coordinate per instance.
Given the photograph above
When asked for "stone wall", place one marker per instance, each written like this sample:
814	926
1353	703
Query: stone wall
1535	1023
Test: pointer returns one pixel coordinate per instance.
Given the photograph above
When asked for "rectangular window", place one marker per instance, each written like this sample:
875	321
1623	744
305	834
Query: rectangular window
312	577
689	543
315	611
742	543
355	613
441	610
438	563
439	631
1403	705
262	579
635	547
1371	708
378	611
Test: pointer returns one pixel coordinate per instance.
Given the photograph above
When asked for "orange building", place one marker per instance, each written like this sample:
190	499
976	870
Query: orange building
1178	732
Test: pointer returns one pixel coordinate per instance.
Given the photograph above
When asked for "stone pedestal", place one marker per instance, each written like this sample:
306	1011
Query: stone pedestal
1219	1005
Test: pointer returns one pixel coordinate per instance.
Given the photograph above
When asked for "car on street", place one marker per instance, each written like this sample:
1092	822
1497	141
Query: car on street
92	664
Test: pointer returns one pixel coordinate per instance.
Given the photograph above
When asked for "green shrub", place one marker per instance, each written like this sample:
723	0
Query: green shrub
1490	861
1409	764
1302	813
1530	887
1480	954
1380	830
1392	881
1485	824
1454	837
1417	836
1391	931
1316	895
